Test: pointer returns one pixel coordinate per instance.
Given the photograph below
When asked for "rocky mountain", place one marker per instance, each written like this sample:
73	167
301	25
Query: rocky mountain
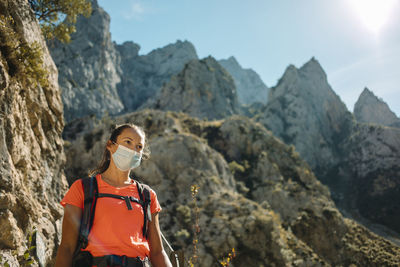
32	161
373	165
371	109
255	194
250	88
143	76
358	161
303	110
89	68
203	89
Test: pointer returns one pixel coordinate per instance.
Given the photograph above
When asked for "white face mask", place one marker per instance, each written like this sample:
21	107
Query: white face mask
126	159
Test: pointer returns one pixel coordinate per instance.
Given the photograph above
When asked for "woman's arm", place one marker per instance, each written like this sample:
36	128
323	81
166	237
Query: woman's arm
158	257
70	232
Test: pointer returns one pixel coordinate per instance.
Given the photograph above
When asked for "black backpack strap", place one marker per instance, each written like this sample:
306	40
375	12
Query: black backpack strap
91	192
144	194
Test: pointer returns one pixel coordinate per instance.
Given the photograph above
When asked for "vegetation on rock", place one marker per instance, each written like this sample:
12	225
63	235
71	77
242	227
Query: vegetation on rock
57	18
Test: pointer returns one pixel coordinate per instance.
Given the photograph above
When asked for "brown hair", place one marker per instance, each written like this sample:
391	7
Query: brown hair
116	131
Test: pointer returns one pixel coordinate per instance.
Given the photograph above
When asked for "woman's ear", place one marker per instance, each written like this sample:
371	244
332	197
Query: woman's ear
109	145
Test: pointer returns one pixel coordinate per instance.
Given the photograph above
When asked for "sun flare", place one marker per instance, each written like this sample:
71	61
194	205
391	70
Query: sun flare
373	13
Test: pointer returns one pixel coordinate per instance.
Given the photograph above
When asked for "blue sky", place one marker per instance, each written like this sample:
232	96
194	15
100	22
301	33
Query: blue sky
357	42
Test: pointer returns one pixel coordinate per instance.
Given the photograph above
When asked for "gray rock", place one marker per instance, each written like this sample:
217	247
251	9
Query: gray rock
371	109
373	164
202	89
303	110
143	76
250	88
89	68
32	158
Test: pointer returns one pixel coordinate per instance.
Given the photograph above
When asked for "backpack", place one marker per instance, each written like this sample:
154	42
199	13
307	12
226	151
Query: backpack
91	194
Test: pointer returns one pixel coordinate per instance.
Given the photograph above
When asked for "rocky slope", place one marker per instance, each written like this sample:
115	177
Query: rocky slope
250	88
303	110
89	68
32	162
371	109
143	76
255	195
373	163
354	159
202	89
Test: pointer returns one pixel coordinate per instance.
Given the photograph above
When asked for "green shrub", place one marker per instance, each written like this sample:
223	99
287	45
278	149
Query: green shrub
57	18
24	61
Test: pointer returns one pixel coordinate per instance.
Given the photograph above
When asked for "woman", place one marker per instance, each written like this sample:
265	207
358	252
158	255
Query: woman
116	230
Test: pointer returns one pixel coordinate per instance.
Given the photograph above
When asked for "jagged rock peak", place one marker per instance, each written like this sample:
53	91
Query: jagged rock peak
89	68
128	49
144	75
202	89
250	88
304	111
313	66
232	60
371	109
183	47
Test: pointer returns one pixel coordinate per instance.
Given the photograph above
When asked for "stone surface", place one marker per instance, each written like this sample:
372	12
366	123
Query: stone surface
255	194
373	163
303	110
370	109
143	75
89	68
250	88
32	158
202	89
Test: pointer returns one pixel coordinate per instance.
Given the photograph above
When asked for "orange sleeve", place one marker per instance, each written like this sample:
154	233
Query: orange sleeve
75	195
155	205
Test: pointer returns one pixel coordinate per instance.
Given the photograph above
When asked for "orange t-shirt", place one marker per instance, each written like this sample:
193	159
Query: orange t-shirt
116	230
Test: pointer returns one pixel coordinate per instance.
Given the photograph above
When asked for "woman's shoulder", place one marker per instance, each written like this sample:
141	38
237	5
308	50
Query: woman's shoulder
145	186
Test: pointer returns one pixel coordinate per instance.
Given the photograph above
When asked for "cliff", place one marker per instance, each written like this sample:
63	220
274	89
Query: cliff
89	68
32	162
250	88
202	89
303	110
372	163
143	75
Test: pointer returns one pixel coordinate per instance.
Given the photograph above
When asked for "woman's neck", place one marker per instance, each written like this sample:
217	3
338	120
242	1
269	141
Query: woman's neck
116	177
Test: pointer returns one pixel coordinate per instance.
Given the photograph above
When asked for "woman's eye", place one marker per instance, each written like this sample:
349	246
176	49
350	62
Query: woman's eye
139	146
128	142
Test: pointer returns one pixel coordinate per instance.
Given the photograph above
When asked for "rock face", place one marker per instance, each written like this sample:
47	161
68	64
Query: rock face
32	161
202	89
143	76
303	110
89	68
371	109
256	195
250	88
374	167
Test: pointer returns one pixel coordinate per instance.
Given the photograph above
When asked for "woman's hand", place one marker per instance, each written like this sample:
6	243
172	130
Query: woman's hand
158	257
70	232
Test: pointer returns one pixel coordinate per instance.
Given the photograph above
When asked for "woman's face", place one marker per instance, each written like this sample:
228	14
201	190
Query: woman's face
129	138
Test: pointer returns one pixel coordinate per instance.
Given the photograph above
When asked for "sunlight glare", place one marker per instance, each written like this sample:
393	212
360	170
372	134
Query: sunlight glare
373	13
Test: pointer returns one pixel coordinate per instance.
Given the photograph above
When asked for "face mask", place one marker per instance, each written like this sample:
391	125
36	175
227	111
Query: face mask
126	159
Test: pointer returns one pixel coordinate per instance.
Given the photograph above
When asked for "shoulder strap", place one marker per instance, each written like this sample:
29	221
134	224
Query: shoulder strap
91	192
144	194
